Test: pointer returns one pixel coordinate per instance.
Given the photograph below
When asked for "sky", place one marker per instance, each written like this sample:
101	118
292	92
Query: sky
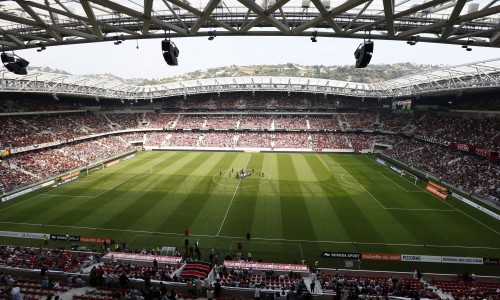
198	53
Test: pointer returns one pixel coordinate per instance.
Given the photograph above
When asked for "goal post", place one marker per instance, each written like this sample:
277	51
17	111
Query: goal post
92	169
411	177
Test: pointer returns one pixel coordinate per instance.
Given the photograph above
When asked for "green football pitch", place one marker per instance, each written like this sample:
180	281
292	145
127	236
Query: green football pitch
294	206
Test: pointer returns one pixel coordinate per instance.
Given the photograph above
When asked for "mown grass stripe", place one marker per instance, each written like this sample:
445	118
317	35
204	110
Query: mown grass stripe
293	207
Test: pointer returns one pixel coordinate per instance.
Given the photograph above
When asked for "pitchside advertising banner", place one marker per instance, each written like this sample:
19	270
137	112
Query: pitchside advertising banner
54	237
491	261
477	206
442	259
381	256
413	258
462	260
68	177
341	255
112	163
264	266
94	240
142	257
437	190
23	235
63	237
420	258
23	192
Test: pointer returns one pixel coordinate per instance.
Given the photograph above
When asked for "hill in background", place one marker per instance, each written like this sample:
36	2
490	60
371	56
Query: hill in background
372	74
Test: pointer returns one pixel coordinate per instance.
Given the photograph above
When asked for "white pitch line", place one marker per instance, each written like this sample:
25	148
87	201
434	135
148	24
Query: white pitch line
422	209
47	193
349	183
71	196
361	185
254	238
234	195
99	177
368	243
26	200
150	169
93	197
132	240
498	233
398	184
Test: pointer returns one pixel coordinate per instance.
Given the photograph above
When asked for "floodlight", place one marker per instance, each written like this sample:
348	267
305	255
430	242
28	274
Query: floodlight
212	35
170	52
413	40
14	63
313	37
42	47
467	45
363	54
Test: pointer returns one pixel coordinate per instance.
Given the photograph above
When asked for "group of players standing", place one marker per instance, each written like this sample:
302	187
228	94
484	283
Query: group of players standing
242	173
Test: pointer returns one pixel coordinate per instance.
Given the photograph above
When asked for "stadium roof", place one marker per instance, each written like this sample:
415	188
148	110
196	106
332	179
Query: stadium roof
30	24
474	76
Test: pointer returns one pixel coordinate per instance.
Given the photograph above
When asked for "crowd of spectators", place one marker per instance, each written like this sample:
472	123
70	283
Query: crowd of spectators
155	139
482	133
221	122
12	177
473	174
184	139
45	258
124	121
290	122
361	121
27	104
293	140
27	130
247	278
254	122
33	166
257	102
157	120
115	270
132	137
254	140
190	122
217	139
399	121
326	122
281	100
195	102
329	141
353	287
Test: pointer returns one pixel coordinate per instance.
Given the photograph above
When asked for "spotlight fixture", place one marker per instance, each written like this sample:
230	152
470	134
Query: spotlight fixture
212	35
413	40
314	35
118	40
170	52
363	54
467	45
14	63
42	47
